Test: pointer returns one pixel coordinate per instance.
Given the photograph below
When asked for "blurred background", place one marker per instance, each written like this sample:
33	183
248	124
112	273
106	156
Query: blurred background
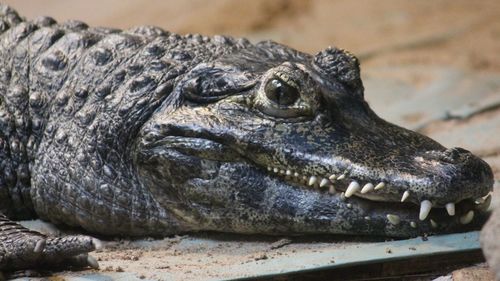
459	33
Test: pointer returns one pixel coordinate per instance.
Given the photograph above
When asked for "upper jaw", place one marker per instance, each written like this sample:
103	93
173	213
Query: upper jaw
463	201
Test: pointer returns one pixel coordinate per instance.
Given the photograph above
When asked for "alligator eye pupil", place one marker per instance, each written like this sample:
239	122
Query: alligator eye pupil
280	92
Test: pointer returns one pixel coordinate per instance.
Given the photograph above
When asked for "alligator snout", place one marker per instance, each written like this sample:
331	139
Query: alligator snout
456	174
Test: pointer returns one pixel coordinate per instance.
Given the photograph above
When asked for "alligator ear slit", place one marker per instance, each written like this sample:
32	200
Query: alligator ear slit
198	86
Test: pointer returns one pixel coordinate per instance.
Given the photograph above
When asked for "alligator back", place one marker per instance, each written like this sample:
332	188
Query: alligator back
73	98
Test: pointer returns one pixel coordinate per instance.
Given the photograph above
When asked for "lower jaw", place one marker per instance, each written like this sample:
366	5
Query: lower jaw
398	219
401	220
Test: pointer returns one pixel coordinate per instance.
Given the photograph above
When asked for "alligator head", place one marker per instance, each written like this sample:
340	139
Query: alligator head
271	140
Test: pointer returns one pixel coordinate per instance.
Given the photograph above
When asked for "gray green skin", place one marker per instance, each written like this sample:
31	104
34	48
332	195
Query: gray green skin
143	132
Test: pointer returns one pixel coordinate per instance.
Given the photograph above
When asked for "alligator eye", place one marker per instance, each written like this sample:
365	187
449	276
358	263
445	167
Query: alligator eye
281	92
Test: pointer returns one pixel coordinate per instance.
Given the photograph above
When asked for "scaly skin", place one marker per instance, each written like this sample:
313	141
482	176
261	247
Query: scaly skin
143	132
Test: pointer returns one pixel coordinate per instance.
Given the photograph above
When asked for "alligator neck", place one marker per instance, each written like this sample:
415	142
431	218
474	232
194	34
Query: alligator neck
14	119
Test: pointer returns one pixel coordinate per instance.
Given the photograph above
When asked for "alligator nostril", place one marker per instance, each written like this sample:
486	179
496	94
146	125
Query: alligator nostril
456	154
453	155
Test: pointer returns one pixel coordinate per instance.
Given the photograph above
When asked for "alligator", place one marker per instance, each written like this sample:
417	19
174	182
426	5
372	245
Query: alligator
144	132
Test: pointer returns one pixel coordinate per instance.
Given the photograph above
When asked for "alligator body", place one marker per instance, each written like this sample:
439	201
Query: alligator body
145	132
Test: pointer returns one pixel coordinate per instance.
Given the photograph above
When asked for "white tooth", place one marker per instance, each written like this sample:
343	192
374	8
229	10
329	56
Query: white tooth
380	186
288	173
331	189
413	224
433	223
269	168
450	208
479	201
405	196
312	180
276	170
395	220
352	188
367	188
296	175
485	204
324	182
342	196
341	177
332	177
282	172
367	218
349	205
425	209
467	218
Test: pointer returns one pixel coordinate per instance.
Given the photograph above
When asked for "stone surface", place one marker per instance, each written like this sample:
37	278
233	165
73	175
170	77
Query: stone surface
476	273
416	96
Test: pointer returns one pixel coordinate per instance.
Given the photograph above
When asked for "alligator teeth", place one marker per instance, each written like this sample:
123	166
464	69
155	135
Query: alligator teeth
395	220
367	188
331	189
425	209
450	208
405	196
332	177
341	177
380	185
276	170
296	175
433	223
269	168
485	204
324	182
352	188
312	180
413	224
282	172
467	218
288	173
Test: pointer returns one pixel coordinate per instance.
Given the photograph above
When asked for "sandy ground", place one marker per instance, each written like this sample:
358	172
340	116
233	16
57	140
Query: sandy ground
433	66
